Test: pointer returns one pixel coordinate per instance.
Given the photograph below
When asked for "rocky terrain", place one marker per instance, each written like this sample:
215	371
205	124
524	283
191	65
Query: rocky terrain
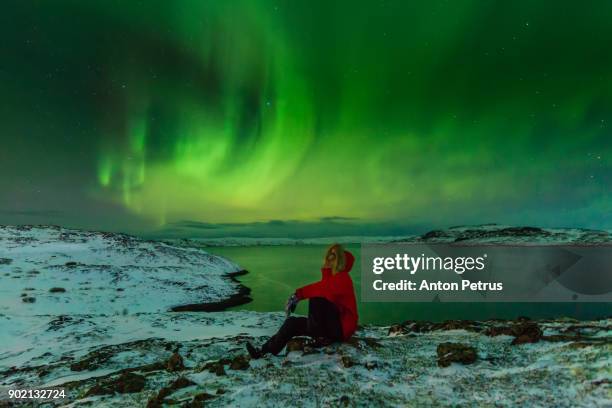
52	278
92	313
52	270
503	234
195	359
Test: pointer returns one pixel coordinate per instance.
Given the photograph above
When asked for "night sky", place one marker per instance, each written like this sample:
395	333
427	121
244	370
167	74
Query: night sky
305	117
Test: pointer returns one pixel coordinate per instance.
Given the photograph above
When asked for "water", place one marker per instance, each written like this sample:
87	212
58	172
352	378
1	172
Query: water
276	271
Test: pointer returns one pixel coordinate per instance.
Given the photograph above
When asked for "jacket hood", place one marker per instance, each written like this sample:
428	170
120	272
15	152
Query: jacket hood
350	260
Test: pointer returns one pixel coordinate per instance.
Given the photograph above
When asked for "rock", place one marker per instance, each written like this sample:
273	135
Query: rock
467	325
435	234
240	362
426	326
154	402
28	299
198	400
310	350
297	344
219	370
216	367
344	401
396	330
475	234
158	400
371	365
175	363
494	331
92	360
524	331
203	396
347	361
371	342
329	350
5	261
71	264
181	382
455	353
57	290
527	333
43	372
126	383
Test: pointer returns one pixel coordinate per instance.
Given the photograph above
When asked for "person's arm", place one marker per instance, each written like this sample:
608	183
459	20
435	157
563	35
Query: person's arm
323	288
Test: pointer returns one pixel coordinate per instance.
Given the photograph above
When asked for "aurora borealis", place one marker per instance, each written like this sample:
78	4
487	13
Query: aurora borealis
384	115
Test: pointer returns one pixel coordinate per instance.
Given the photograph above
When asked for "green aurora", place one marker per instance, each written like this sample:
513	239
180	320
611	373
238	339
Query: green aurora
390	116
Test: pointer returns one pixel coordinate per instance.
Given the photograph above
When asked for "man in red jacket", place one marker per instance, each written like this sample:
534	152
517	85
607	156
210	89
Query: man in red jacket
332	309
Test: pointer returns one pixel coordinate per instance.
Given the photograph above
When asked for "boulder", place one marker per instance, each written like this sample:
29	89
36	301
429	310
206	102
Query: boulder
175	363
297	344
455	353
240	362
347	361
524	331
216	367
396	330
158	400
126	383
528	332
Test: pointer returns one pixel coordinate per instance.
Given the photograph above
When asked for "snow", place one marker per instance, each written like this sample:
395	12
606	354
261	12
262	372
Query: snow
111	288
388	370
506	234
92	332
96	273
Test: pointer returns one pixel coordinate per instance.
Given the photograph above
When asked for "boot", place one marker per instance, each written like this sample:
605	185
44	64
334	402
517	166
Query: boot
254	352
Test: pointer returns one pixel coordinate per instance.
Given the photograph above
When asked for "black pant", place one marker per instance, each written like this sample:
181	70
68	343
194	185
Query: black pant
323	321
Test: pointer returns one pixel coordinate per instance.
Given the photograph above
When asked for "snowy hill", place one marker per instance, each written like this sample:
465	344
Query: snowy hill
479	234
270	241
52	270
503	234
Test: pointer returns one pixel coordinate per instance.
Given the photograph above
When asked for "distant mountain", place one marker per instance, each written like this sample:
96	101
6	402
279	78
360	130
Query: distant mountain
500	234
488	233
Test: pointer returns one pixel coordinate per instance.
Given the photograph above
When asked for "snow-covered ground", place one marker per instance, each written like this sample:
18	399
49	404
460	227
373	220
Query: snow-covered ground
53	277
505	234
571	366
52	270
105	335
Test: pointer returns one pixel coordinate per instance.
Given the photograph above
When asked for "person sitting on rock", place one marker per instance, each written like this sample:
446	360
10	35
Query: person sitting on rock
332	309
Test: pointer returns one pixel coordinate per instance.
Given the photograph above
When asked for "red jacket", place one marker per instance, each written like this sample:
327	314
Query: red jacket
338	289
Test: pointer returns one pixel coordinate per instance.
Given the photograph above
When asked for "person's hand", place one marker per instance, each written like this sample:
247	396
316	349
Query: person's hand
291	304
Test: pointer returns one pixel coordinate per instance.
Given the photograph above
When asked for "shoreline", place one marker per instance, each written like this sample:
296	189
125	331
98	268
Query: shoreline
241	297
